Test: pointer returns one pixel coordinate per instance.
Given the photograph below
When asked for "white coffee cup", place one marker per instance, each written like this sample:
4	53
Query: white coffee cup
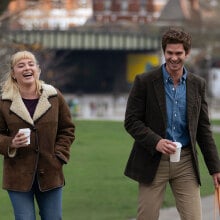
27	133
176	156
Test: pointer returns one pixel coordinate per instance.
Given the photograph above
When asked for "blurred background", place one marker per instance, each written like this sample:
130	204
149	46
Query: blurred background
92	49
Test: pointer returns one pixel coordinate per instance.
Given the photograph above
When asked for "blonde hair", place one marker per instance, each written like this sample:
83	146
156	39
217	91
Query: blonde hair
9	83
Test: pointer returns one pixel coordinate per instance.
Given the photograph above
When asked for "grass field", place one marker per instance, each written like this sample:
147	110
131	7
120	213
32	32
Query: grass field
96	188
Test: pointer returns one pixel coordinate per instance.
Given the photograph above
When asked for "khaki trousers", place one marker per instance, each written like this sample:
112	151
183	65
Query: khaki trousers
184	185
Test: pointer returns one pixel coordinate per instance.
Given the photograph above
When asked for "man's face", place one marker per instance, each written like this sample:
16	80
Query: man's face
175	55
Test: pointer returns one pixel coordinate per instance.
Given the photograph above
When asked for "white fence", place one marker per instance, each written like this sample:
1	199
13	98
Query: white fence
97	106
110	107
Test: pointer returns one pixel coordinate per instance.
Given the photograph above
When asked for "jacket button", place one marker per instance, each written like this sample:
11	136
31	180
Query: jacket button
36	150
41	172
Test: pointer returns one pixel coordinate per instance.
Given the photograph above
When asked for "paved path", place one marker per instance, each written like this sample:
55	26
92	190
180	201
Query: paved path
207	209
216	128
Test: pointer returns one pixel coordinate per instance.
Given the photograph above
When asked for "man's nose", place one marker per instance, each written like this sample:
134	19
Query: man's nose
174	57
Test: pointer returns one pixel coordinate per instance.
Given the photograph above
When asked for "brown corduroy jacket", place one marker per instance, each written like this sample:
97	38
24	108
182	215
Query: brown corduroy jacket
52	133
145	121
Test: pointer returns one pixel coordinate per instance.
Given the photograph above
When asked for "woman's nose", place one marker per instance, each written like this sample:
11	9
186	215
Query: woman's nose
26	66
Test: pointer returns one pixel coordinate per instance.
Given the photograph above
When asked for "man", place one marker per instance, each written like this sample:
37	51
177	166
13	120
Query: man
169	105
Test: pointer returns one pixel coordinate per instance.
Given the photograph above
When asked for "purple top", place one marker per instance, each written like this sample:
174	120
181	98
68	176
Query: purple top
30	105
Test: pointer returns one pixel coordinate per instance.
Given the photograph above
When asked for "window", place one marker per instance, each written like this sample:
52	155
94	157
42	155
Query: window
57	3
124	5
107	5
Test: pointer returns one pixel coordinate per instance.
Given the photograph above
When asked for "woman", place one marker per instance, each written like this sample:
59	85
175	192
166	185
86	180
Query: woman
35	169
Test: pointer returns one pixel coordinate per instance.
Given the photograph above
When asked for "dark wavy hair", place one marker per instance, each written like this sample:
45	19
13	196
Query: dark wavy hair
176	36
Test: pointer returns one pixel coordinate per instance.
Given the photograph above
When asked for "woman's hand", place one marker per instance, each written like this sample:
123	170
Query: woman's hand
20	140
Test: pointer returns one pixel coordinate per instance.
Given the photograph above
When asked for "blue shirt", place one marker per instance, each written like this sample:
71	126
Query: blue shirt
177	129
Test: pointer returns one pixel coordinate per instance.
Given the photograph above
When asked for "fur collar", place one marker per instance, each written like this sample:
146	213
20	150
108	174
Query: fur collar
18	106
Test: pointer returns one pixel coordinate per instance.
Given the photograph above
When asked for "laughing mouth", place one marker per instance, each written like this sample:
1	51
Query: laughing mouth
26	75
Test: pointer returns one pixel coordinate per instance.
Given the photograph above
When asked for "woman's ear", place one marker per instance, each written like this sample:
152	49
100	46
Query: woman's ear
12	75
39	69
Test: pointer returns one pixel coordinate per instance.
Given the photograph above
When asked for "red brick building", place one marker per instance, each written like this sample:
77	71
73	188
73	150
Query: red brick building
50	14
65	14
131	11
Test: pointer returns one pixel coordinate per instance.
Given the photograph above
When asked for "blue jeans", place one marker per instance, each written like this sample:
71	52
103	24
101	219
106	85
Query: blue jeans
49	203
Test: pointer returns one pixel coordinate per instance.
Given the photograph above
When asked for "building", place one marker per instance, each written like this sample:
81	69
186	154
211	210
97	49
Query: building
67	14
116	40
49	15
127	11
83	46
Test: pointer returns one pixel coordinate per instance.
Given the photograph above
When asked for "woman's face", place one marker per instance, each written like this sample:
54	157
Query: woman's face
25	72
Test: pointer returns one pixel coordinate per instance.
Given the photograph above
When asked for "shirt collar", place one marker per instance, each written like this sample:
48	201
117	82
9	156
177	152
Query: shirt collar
167	77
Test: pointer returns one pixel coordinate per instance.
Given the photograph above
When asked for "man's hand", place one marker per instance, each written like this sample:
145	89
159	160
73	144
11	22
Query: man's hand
166	147
216	179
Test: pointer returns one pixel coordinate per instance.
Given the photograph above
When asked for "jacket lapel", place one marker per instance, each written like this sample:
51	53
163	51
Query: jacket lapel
18	107
43	104
190	96
160	94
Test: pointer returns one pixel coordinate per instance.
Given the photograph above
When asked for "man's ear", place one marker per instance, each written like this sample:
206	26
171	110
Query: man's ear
188	53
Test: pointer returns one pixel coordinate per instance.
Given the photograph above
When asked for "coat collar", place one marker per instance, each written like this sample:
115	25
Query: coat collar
18	106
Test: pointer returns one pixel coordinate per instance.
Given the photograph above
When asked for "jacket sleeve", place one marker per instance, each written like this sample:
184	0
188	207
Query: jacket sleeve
65	132
204	135
5	139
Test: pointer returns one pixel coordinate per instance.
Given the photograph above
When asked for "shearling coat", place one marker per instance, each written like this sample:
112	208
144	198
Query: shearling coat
52	133
145	121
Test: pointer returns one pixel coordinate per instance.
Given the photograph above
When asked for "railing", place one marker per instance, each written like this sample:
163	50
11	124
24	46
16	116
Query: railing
86	40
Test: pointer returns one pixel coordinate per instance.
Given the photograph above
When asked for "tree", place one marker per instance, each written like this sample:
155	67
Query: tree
3	6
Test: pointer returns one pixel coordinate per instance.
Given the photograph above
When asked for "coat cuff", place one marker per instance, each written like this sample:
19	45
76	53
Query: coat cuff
11	152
